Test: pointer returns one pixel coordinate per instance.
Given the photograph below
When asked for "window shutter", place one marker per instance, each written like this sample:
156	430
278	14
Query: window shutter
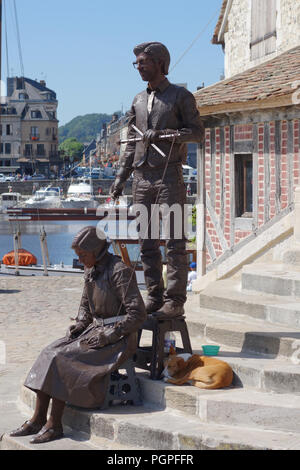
263	28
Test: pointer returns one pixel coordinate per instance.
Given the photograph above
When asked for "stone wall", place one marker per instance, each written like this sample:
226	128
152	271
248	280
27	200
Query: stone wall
26	187
238	35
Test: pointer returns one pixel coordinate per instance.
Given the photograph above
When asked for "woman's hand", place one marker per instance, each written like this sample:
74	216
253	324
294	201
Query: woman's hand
102	338
75	330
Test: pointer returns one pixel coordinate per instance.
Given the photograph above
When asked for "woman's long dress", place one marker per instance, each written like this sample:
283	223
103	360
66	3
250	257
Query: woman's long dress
72	372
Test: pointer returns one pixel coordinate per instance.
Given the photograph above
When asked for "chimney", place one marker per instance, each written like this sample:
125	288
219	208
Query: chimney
43	83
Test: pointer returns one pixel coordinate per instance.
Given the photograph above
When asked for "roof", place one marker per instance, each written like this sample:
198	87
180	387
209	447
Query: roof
268	85
215	38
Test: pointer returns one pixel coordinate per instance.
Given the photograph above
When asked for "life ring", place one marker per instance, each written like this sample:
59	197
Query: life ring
25	258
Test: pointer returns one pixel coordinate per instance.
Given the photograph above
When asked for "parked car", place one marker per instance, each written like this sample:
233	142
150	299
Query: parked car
97	173
2	178
38	177
10	178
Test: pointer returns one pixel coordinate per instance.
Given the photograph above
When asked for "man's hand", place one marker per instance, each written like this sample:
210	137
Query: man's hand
117	188
75	330
151	136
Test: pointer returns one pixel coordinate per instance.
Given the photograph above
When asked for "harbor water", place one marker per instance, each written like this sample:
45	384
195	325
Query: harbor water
59	238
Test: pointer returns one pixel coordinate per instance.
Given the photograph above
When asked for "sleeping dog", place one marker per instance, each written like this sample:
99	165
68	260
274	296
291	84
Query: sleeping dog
201	371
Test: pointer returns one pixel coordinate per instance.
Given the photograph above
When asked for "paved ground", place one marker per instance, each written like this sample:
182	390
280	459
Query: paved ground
34	311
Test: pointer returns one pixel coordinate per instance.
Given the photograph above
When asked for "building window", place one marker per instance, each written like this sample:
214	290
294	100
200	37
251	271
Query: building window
8	129
28	150
23	96
1	147
7	148
34	133
40	149
243	185
36	114
263	28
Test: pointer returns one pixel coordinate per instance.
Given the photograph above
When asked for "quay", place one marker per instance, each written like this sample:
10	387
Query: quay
260	411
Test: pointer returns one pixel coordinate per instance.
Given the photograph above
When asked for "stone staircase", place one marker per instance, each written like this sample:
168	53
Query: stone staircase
256	320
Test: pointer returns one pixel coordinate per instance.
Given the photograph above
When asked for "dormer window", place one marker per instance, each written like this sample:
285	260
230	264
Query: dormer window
36	114
263	28
23	96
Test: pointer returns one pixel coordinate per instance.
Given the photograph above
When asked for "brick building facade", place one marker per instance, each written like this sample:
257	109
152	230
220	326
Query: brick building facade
250	162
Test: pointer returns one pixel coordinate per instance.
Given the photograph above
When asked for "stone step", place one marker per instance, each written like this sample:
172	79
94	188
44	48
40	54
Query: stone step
273	278
72	440
148	427
228	296
248	335
234	406
255	373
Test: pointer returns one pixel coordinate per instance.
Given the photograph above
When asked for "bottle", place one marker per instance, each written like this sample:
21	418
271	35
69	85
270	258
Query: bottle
170	340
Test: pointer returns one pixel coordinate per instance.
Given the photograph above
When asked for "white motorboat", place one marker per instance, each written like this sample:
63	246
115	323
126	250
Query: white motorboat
9	199
45	198
80	195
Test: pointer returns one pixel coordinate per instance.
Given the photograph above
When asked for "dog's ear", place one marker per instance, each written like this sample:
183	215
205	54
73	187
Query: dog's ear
172	350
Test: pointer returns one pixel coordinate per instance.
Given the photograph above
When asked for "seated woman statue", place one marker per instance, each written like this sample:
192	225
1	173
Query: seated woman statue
76	369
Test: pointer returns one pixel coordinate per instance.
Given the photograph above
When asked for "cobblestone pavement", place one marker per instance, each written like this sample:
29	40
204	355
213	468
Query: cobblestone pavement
34	311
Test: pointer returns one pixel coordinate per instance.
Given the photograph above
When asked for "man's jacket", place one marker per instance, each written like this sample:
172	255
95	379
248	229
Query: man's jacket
174	108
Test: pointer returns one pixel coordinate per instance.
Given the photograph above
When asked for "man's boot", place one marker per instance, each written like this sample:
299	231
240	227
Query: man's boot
169	310
153	304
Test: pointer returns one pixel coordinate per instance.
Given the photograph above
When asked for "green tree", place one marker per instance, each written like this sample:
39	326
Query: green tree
71	148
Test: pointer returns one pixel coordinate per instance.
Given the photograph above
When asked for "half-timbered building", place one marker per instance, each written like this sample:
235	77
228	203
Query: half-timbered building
250	162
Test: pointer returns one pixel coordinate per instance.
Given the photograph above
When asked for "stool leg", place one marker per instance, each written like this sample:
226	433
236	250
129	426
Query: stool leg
160	351
136	394
186	339
139	337
155	345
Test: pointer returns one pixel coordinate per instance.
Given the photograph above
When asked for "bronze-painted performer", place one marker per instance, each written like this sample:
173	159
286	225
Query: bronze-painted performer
160	110
76	369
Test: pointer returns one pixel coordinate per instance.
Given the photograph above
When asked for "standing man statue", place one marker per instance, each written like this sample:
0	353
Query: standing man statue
162	109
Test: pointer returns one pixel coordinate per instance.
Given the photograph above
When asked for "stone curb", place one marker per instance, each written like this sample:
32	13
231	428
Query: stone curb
148	428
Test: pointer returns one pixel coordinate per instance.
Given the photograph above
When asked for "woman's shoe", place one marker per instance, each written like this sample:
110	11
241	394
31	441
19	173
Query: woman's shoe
47	435
27	429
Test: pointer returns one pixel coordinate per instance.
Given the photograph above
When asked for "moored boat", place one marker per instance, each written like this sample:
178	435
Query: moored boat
9	199
48	197
80	195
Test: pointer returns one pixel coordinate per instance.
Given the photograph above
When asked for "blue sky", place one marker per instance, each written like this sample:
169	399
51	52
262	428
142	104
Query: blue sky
83	49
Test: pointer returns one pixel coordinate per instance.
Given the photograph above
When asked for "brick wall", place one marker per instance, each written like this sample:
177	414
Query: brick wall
274	146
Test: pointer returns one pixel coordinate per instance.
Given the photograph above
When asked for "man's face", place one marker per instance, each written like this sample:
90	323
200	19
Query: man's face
148	69
86	257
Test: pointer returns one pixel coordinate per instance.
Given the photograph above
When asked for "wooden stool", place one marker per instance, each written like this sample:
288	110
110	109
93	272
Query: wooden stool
151	358
124	388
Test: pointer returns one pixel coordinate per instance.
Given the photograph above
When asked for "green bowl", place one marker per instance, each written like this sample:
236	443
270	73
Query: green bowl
210	349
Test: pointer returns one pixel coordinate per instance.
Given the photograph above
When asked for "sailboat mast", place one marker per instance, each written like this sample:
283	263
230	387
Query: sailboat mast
0	46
